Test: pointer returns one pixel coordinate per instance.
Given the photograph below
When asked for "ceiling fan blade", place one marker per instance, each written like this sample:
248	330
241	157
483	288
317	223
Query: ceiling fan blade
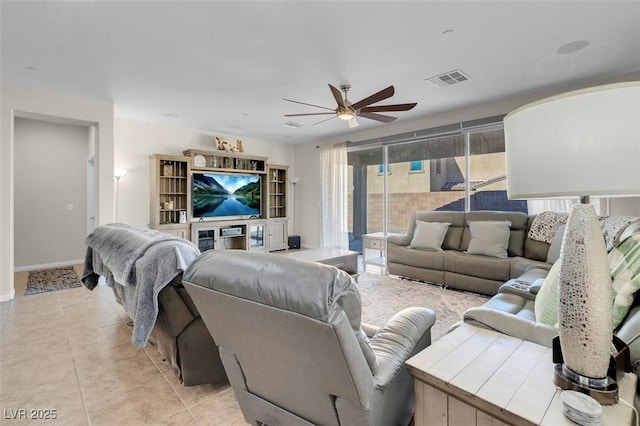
383	108
330	118
338	95
304	103
310	113
377	117
353	122
376	97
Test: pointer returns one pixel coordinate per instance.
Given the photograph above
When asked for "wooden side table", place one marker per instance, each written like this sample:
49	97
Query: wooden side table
377	242
474	376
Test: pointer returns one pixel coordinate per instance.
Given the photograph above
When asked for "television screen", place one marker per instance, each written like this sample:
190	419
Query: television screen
225	196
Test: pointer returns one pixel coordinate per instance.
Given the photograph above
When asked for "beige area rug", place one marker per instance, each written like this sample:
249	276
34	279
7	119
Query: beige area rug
52	279
383	296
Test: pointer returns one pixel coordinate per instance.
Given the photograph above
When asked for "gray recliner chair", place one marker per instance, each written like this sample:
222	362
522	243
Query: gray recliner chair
292	344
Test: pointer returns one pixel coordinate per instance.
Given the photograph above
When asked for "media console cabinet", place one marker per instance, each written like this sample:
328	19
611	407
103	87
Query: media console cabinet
171	203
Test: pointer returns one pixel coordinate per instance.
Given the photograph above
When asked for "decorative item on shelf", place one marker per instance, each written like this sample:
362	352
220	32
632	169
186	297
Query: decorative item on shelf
239	147
253	164
183	217
199	160
167	169
274	175
580	143
222	145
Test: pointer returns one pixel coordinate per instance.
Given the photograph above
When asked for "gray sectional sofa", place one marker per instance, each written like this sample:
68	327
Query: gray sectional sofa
453	267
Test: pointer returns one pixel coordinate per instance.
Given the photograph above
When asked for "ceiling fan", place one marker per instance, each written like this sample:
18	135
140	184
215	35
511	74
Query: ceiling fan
349	111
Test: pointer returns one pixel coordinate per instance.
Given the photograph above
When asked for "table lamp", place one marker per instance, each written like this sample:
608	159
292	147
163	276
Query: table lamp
579	144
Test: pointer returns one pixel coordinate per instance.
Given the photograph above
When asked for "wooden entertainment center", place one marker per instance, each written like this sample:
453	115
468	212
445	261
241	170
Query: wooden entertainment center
171	202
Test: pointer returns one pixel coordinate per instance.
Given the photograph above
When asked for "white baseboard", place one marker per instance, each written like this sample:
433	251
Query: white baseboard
7	297
48	265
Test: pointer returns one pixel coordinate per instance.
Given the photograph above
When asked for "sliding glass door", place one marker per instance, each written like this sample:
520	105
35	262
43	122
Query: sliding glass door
457	172
425	175
365	193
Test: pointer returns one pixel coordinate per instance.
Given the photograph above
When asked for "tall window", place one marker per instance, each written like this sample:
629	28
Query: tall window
488	173
428	174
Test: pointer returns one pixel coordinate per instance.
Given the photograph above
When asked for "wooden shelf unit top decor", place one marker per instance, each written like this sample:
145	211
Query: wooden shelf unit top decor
224	161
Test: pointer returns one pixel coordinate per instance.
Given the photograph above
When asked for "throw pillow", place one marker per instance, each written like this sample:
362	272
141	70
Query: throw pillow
429	235
546	304
556	244
489	238
624	262
544	226
613	227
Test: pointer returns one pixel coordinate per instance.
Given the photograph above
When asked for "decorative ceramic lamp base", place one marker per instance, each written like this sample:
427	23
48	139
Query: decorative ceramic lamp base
605	391
584	316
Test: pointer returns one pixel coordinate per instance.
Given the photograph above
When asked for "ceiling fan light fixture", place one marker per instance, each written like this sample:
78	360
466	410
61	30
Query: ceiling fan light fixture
348	111
345	114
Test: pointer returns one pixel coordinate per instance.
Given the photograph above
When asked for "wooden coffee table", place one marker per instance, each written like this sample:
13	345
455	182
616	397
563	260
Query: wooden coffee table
346	260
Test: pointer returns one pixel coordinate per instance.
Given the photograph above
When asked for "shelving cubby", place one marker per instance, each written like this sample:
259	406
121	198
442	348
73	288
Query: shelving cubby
277	191
170	194
276	188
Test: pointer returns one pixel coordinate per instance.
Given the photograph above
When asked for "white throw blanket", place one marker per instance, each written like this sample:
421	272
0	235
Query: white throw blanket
137	262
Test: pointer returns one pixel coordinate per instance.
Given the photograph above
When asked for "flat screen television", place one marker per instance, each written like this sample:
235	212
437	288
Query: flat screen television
217	196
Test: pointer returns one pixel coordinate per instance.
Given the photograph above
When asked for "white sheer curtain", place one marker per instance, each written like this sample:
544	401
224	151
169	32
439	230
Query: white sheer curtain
333	163
557	205
564	205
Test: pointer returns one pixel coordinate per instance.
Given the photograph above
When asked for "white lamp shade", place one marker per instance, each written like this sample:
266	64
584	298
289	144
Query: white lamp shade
585	142
119	172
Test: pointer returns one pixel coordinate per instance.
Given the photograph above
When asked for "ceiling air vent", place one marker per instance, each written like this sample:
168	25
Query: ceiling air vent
292	124
448	78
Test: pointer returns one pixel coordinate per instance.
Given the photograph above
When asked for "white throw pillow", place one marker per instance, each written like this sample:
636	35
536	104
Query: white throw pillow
490	238
429	235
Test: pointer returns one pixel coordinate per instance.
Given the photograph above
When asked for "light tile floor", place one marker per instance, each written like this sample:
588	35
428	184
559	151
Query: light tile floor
70	351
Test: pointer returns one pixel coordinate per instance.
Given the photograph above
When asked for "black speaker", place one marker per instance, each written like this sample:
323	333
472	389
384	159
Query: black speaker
294	241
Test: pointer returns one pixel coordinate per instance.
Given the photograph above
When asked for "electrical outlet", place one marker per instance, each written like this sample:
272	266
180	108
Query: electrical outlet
69	207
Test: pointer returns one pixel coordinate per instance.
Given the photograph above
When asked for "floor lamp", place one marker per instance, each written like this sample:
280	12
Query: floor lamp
294	181
118	174
579	144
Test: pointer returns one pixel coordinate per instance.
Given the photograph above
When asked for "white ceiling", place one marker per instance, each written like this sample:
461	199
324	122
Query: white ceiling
224	66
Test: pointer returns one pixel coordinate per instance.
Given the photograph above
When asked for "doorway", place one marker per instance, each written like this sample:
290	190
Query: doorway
54	187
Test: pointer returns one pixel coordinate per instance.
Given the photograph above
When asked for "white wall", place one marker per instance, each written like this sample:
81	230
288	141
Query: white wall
50	174
21	101
307	156
136	140
625	206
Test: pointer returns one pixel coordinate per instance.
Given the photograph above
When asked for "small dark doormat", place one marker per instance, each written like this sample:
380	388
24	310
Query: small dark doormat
52	279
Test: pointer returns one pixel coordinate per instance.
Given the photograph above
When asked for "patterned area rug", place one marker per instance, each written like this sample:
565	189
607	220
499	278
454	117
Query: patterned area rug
52	279
384	296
